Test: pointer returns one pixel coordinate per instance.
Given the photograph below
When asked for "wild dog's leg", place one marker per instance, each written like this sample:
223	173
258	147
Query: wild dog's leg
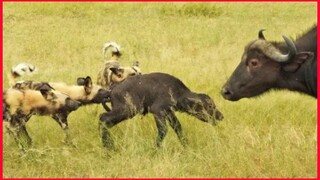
176	126
108	120
62	120
24	136
19	132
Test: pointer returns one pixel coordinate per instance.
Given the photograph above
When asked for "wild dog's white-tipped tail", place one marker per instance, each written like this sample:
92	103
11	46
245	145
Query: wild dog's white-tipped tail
20	70
23	69
107	45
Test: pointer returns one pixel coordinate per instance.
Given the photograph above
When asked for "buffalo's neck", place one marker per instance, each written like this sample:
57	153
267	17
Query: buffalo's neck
308	41
304	80
182	104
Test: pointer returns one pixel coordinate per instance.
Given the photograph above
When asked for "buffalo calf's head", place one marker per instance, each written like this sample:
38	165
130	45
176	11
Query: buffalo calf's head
202	107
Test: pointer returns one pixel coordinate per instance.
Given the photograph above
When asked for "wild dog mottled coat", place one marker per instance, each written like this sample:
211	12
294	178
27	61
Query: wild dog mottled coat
20	104
112	71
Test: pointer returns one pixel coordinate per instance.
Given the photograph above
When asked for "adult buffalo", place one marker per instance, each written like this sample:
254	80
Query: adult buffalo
269	65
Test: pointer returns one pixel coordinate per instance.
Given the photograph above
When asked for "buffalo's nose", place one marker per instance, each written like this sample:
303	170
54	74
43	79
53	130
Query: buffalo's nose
226	92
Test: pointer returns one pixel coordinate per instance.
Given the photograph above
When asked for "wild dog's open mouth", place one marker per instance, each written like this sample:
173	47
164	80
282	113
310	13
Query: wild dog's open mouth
106	99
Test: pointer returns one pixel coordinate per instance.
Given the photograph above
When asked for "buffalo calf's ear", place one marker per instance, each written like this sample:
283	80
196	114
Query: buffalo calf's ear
190	102
297	61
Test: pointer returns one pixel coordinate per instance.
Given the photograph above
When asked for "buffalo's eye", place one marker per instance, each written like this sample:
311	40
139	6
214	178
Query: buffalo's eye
253	63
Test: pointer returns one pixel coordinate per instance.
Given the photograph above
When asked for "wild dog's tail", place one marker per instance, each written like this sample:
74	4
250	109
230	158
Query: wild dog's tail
20	70
115	51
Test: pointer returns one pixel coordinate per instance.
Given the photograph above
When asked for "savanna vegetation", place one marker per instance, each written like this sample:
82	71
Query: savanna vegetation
274	135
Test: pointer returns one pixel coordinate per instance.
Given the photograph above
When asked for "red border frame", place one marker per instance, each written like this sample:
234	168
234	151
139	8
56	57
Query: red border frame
158	1
1	66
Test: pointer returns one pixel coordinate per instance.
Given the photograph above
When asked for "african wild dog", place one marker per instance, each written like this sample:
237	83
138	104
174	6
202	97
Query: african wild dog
20	104
162	95
112	71
86	93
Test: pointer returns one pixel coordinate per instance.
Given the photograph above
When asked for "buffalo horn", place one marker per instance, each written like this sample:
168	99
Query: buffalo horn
291	48
273	53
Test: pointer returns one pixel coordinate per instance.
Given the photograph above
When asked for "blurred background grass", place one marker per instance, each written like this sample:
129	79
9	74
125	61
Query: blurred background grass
274	135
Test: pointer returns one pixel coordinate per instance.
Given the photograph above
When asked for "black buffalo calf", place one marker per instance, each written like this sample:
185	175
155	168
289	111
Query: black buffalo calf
160	94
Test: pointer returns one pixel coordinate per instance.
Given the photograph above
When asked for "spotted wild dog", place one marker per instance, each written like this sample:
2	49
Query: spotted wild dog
20	104
85	93
112	71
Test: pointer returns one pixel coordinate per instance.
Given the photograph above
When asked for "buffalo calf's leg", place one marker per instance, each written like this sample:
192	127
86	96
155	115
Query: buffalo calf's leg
105	135
162	129
108	120
159	111
176	126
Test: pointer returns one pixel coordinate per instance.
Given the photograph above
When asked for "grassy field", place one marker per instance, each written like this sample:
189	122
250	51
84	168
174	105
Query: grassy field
274	135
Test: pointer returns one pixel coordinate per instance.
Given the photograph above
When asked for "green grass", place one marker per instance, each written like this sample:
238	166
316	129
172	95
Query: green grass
274	135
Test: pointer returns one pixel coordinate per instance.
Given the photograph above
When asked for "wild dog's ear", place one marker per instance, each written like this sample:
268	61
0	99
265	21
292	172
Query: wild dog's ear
45	90
136	69
81	81
88	85
117	71
297	61
44	86
136	63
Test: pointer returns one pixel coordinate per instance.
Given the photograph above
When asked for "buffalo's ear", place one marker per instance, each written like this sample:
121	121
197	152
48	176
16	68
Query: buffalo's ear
88	85
81	81
297	61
